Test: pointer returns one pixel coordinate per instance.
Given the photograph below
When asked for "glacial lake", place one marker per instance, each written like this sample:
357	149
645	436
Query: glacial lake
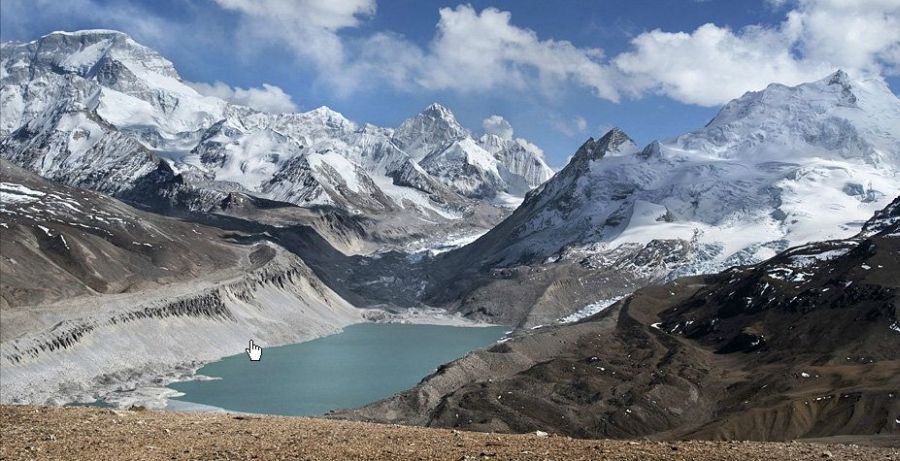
363	364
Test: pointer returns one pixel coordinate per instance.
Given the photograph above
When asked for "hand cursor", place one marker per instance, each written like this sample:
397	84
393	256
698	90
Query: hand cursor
254	351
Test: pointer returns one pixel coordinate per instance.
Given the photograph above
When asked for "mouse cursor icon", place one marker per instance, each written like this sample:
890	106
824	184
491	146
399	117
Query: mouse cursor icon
254	351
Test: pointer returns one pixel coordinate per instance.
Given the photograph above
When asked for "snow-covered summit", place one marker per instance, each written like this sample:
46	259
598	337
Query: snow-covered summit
70	98
83	51
429	131
775	168
615	141
834	118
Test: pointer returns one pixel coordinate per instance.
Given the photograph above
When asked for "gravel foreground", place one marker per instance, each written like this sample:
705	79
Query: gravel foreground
102	434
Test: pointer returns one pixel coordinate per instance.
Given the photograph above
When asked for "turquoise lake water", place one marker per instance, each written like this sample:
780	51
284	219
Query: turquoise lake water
365	363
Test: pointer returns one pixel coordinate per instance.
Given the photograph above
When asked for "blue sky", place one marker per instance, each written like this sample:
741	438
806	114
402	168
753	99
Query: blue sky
558	72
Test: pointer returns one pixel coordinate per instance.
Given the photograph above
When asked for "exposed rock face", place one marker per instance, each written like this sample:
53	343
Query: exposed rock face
805	344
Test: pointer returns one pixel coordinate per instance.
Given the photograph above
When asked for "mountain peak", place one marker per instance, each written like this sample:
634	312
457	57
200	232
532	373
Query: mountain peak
613	141
325	111
84	52
436	110
835	116
839	77
432	129
615	137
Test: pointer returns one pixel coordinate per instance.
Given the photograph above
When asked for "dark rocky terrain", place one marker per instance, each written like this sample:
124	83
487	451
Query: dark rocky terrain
60	241
805	344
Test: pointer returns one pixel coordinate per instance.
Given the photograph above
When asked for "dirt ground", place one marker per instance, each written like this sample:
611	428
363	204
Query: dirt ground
99	434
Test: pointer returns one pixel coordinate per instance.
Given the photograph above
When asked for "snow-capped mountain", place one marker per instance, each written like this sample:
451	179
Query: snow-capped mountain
96	109
774	168
430	131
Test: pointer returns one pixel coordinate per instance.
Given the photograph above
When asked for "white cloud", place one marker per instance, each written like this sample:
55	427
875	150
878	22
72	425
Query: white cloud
268	98
482	51
531	147
580	123
309	27
712	64
383	58
854	34
497	125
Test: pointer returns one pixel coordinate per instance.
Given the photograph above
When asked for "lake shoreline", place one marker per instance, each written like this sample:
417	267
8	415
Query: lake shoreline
365	363
152	392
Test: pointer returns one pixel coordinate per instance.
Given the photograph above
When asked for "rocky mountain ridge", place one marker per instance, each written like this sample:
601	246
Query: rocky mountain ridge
774	169
96	109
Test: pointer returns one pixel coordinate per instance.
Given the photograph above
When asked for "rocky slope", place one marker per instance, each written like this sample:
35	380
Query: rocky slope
59	242
96	109
775	168
804	344
97	434
101	300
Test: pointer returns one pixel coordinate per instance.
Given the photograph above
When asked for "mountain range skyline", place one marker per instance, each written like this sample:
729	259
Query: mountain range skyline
211	44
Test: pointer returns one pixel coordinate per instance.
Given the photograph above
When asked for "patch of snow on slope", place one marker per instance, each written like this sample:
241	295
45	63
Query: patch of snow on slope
12	193
809	260
345	168
589	310
507	200
87	57
450	243
405	196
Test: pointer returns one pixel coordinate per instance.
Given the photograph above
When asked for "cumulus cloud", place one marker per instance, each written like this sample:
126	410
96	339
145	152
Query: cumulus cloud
481	51
533	148
382	58
268	98
861	35
713	64
471	51
475	51
309	27
497	125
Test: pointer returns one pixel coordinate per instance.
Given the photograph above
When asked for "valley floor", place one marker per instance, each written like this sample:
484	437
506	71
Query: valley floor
102	434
